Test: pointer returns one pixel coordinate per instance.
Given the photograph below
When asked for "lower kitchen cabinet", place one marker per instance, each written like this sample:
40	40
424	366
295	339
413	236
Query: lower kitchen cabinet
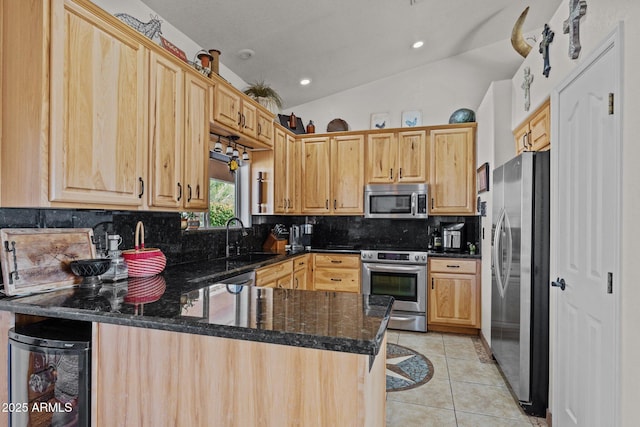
336	272
454	294
276	275
301	272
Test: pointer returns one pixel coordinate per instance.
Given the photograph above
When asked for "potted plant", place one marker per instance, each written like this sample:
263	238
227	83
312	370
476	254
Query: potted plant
265	95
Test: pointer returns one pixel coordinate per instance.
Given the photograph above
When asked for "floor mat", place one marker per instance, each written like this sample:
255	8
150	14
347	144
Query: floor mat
406	368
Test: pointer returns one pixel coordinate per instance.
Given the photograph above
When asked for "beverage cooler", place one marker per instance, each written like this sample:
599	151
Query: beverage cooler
49	374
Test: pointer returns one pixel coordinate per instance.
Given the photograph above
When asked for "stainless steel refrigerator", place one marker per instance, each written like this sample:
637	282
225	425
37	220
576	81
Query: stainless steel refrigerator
520	277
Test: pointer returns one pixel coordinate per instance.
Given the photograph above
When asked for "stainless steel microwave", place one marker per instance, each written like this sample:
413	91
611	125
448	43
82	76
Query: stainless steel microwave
408	201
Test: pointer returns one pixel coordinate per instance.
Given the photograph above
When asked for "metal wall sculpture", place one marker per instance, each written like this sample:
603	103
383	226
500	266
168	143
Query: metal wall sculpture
577	9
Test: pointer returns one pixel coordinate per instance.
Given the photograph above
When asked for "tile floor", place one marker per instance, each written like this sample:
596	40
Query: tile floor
465	391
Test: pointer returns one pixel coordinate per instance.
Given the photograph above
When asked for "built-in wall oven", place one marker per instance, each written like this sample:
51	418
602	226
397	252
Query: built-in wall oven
403	275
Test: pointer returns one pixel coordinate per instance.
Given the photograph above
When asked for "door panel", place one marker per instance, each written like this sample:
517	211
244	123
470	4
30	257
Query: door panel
587	244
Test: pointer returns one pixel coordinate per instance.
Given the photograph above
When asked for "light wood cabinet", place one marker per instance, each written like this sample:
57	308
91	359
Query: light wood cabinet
315	175
332	174
454	293
534	134
107	118
452	183
347	174
179	131
286	172
397	157
336	272
277	275
76	138
234	113
302	269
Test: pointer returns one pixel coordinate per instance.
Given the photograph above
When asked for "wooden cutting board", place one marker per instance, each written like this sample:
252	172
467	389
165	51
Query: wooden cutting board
37	259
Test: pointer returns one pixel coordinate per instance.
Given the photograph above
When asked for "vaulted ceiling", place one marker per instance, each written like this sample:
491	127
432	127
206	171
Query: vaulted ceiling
342	44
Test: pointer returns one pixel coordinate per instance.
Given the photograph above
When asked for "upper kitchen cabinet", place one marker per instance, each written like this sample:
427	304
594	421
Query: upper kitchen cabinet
332	174
234	113
534	133
179	136
452	171
397	157
347	174
74	117
286	159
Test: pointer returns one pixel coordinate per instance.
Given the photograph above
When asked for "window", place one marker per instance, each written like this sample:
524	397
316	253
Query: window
228	194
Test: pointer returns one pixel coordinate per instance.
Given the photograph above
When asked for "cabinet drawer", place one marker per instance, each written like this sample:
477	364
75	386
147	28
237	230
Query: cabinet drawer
301	262
273	272
337	279
337	261
452	265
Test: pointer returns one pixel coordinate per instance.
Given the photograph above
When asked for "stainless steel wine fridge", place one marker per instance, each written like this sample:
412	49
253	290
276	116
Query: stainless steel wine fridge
49	377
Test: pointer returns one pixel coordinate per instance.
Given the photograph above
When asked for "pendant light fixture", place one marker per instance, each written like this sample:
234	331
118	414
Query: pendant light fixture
236	153
229	150
218	146
245	155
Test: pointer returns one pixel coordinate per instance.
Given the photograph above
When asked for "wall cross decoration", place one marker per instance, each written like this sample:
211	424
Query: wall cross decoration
547	38
577	9
526	84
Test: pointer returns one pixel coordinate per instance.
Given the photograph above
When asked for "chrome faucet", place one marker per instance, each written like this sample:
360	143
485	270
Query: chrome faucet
244	233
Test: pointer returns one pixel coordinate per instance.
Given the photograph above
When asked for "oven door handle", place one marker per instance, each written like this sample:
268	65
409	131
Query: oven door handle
402	319
414	268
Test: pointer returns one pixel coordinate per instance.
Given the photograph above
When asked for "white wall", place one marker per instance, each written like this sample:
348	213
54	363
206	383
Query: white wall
141	11
494	145
437	89
601	19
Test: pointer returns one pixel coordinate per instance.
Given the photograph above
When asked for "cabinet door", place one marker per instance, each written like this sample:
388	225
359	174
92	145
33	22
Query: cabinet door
540	129
196	143
98	111
166	130
293	175
280	171
452	171
453	299
314	174
381	158
522	137
265	128
412	156
347	174
249	120
227	106
300	279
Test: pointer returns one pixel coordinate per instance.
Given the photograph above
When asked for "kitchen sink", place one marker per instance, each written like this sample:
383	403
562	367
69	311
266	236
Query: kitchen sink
253	257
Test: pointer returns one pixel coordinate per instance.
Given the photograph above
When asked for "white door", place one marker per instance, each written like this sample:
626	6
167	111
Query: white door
586	242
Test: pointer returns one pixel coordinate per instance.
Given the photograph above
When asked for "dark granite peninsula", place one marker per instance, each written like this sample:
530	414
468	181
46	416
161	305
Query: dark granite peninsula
181	348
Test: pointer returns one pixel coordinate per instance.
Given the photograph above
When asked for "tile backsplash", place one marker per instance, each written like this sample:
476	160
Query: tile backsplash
162	230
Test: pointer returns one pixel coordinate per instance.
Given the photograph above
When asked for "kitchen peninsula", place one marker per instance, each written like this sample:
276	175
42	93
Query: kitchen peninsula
192	351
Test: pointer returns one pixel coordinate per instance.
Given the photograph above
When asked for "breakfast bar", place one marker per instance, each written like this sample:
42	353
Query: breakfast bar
184	348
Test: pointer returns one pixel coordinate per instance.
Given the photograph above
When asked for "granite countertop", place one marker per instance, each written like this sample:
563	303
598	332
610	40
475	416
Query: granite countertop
190	298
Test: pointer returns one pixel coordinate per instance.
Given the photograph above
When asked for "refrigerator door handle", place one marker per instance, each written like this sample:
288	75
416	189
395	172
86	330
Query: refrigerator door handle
507	272
497	252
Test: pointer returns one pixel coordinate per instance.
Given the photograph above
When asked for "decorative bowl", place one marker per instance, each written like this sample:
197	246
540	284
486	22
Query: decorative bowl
90	269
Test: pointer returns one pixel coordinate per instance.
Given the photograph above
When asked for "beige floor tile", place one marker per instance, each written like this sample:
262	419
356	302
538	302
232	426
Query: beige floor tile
401	414
440	368
474	371
436	393
428	345
466	419
392	337
460	348
486	400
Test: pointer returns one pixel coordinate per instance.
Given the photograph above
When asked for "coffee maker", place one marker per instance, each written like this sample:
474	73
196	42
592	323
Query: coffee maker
306	232
453	237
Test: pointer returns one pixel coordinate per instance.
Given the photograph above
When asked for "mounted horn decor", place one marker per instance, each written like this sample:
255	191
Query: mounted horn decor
517	40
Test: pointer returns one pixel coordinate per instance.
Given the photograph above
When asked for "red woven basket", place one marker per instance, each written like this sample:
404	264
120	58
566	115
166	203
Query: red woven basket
141	261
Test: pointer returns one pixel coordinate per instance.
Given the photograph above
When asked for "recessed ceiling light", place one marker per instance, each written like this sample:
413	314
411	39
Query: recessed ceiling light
245	53
305	82
417	44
